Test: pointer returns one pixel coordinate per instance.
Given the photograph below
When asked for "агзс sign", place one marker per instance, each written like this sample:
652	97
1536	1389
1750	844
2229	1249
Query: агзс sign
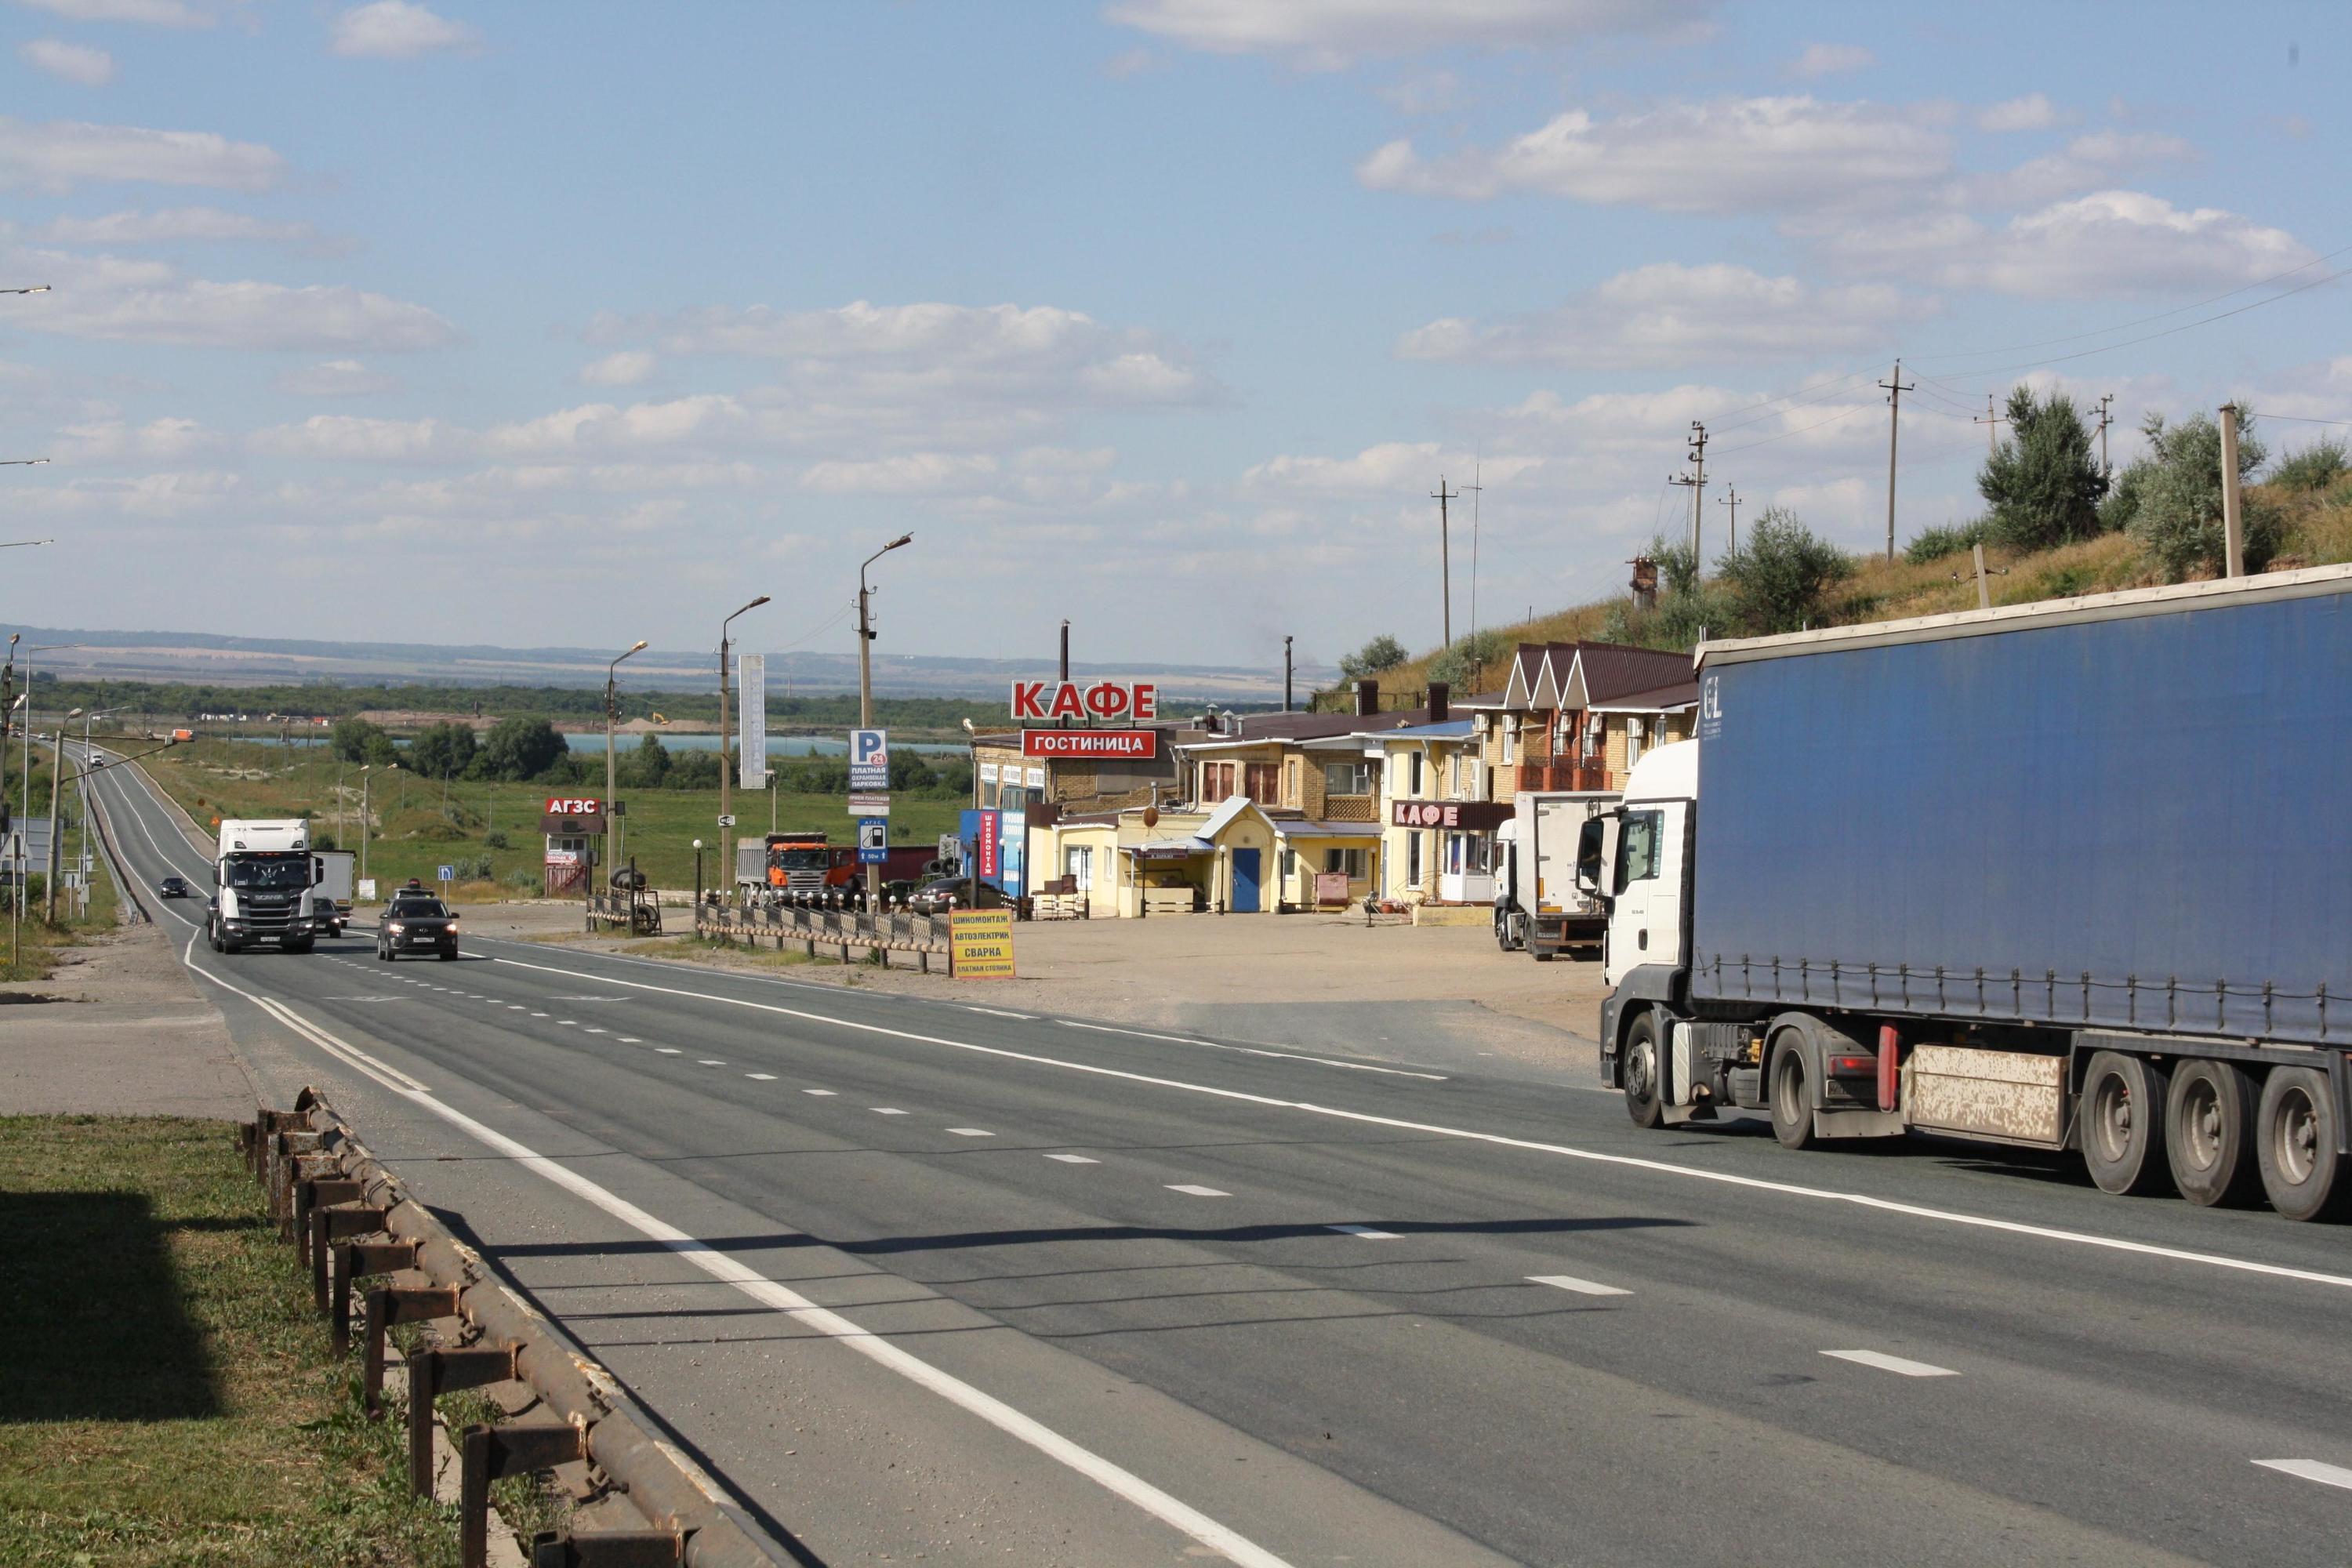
568	814
1123	744
1039	700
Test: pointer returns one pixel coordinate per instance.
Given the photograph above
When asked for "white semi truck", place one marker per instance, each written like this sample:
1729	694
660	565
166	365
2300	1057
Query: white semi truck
1539	907
267	887
337	869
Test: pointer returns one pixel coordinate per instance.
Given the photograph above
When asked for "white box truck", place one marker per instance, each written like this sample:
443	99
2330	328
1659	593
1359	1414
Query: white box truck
1538	908
266	887
337	869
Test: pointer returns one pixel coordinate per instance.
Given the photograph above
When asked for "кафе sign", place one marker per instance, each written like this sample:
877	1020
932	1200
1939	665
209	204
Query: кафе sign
1461	816
1039	701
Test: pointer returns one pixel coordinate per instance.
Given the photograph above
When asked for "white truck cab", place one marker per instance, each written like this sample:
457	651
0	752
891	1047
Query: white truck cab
266	886
1646	878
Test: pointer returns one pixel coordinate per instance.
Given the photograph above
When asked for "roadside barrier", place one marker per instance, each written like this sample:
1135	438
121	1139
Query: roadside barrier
830	924
638	1500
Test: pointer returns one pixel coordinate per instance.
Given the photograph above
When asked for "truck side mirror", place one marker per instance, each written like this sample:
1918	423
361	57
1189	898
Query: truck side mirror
318	870
1596	848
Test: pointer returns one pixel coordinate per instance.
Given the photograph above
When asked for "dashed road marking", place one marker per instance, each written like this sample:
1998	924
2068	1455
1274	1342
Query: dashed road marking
763	1077
1363	1232
1189	1190
669	1050
1074	1159
1581	1287
971	1132
999	1013
820	1093
630	1040
2311	1470
1894	1363
887	1110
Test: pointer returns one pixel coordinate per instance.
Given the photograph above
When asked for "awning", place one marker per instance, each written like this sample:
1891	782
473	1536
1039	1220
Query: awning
1169	848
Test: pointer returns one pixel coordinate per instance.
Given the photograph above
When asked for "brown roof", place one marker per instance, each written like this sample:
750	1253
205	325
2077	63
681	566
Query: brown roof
1613	672
1681	694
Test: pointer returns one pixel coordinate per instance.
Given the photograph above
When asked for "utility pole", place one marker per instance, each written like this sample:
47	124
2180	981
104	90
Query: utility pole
2104	420
612	784
726	773
1993	423
1285	674
56	788
1895	391
1477	472
1731	499
366	832
1696	482
2233	532
865	699
1445	555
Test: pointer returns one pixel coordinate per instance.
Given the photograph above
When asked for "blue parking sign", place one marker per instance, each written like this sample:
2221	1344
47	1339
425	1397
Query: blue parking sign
869	760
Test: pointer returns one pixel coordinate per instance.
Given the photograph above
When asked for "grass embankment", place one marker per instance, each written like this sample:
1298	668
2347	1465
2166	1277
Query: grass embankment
2318	532
415	836
28	951
168	1395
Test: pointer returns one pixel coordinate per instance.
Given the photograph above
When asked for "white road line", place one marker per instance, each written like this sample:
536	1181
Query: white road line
592	1031
1502	1141
971	1132
669	1050
538	1014
820	1093
762	1076
1189	1190
1894	1363
1581	1287
1247	1050
1363	1232
886	1110
709	1062
569	1023
629	1040
1000	1013
2311	1470
1074	1159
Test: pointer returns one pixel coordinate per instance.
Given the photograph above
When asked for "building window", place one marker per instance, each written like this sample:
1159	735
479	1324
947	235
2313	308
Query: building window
1290	864
1415	789
1511	731
1037	778
1347	778
1216	782
1412	859
1290	792
988	773
1352	861
1262	782
1078	864
1632	740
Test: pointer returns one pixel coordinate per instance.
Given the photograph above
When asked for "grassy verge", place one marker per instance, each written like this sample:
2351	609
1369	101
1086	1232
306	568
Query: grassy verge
168	1397
28	951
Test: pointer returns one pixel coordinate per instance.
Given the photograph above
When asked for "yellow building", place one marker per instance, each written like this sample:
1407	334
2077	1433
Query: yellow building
1577	716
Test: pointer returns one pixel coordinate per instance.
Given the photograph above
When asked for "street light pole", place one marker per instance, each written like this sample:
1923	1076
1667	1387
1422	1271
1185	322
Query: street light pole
367	830
612	776
726	773
865	687
56	788
24	801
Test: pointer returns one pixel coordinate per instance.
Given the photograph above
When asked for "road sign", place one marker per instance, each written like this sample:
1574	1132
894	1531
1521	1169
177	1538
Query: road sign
727	820
869	804
980	944
873	840
367	888
449	873
987	841
1116	745
869	759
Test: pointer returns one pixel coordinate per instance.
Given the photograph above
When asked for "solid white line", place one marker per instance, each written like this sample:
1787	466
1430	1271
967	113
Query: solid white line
820	1093
763	1077
887	1110
1501	1141
1000	1013
2311	1470
1363	1232
1249	1050
1894	1363
971	1132
1074	1159
1192	1191
1581	1287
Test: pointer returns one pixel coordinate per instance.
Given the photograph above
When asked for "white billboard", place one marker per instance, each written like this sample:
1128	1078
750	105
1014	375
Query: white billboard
751	733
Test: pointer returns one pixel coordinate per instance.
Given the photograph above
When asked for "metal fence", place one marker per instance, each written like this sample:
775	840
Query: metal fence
852	931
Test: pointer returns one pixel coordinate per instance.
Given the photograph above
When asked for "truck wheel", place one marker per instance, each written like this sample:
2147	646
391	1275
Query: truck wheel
1791	1093
1638	1071
1502	931
2123	1123
2209	1126
2295	1137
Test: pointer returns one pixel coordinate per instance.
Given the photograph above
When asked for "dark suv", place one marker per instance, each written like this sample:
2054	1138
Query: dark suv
415	924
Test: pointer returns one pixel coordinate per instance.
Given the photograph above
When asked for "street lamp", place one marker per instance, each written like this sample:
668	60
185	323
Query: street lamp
612	820
56	788
726	777
866	682
25	803
36	289
22	543
697	881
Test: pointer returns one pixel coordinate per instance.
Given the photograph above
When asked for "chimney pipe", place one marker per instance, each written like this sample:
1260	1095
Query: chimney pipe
1440	697
1285	675
1066	650
1367	698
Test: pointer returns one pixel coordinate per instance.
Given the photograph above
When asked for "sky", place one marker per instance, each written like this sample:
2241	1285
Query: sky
537	325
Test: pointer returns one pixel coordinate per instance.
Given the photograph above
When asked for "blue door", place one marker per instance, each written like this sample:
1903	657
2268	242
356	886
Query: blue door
1245	881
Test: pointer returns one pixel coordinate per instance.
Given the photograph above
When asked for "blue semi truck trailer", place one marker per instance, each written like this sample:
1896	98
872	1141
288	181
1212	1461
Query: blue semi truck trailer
2074	875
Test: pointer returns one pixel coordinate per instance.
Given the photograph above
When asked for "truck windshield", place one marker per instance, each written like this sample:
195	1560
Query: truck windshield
289	872
802	860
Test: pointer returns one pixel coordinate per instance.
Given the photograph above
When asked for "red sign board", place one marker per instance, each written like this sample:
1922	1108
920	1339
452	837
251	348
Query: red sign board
1035	701
987	833
572	806
1471	815
1122	745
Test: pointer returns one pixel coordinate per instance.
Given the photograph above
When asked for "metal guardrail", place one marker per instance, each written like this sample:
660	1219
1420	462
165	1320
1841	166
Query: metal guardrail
362	1236
815	925
639	912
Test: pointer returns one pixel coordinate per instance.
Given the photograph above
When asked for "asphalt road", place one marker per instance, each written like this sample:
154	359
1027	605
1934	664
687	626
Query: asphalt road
917	1276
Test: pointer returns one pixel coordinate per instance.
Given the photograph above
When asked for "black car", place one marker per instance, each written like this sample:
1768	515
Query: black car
412	924
941	894
172	888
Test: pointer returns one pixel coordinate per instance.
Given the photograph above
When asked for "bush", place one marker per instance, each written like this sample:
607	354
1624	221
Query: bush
2315	467
524	881
1460	665
2042	483
1383	652
1934	543
520	748
1777	579
496	840
442	750
2178	517
1677	566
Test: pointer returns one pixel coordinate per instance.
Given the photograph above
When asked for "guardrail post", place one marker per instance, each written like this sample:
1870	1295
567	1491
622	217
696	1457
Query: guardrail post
352	1260
493	1453
314	1193
608	1549
436	1372
390	1304
329	1225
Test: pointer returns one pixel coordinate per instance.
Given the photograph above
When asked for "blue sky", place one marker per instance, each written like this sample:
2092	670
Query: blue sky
573	323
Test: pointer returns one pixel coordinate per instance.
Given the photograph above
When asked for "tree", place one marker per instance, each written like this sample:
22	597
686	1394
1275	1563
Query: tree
357	741
1677	565
2043	483
521	747
1383	652
648	766
2178	515
1468	656
443	750
1779	576
2314	468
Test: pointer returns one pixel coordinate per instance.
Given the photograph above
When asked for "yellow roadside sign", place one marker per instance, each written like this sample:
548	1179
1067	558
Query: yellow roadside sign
980	944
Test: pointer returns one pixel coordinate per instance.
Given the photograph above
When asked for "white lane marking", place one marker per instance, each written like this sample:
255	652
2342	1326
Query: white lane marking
1000	1013
2311	1470
709	1062
1503	1140
971	1132
1115	1478
669	1050
518	1007
1191	1191
887	1110
1581	1287
820	1093
534	1015
762	1076
1074	1159
629	1039
593	1031
1894	1363
1247	1050
1363	1232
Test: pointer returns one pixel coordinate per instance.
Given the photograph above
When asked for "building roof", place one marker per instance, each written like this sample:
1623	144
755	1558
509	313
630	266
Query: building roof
1452	729
1663	699
1608	672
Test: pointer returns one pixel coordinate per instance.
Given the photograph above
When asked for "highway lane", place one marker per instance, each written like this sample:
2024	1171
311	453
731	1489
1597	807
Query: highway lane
1751	1386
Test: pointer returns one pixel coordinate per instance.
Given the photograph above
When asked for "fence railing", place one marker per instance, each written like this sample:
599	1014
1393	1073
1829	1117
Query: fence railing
354	1223
852	931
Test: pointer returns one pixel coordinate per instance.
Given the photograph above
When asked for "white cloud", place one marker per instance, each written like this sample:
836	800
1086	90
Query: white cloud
68	62
1830	59
335	378
398	30
2031	112
120	300
915	473
2085	163
1432	94
1666	315
628	368
173	223
1328	34
1725	155
56	154
169	439
153	13
1389	466
342	437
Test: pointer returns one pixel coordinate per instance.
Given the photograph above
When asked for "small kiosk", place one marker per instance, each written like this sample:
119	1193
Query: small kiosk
572	825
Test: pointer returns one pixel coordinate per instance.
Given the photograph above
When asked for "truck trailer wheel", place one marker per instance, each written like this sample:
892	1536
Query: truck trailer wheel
2123	1123
1791	1092
2209	1132
2295	1138
1638	1071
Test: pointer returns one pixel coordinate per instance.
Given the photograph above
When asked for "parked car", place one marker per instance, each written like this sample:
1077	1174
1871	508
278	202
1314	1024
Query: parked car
172	888
940	894
416	925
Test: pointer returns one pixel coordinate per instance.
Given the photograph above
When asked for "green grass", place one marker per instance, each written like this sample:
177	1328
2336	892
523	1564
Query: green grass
414	837
167	1397
30	952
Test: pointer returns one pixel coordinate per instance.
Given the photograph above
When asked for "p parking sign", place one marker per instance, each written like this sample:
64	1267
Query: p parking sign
869	760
